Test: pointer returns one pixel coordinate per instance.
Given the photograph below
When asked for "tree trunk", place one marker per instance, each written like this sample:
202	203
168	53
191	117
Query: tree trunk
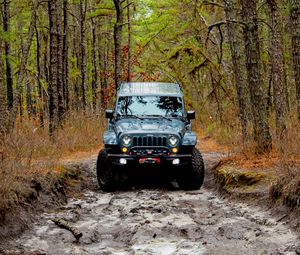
94	63
83	8
295	20
238	62
60	90
216	96
45	57
29	103
66	56
104	81
76	54
3	109
118	33
52	89
45	70
277	62
9	78
129	43
253	62
40	102
26	48
20	106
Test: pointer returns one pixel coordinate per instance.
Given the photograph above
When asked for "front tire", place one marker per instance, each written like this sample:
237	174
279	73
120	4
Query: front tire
192	176
105	174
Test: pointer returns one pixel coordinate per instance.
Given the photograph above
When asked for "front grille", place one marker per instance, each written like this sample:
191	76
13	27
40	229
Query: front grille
149	141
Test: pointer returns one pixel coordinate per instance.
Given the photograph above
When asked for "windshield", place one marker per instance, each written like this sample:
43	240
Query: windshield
150	106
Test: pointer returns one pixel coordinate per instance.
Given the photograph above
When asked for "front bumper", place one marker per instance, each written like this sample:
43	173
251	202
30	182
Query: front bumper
161	160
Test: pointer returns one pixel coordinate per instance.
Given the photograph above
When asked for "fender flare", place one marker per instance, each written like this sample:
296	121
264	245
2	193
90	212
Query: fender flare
110	138
189	139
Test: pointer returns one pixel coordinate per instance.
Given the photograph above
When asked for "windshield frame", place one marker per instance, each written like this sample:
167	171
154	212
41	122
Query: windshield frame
149	116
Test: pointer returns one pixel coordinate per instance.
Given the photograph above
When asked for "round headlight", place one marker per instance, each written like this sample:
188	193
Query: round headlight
126	140
173	140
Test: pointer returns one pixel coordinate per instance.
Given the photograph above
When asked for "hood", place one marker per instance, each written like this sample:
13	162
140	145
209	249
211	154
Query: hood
151	125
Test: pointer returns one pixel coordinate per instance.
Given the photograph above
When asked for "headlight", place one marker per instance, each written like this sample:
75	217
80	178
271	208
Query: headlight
126	140
173	140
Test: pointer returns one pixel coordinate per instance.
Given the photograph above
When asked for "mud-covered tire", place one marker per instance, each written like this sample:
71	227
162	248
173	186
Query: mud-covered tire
105	174
192	176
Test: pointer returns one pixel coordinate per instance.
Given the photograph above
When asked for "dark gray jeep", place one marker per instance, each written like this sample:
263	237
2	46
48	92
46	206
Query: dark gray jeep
149	129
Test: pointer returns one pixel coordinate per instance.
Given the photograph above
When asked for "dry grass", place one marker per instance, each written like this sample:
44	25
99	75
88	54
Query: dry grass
287	186
208	143
253	161
29	152
230	178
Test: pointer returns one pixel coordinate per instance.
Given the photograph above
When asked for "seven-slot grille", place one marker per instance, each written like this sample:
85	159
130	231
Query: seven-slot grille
149	141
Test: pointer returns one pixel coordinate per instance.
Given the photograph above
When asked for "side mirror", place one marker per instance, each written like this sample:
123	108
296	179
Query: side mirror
190	115
109	114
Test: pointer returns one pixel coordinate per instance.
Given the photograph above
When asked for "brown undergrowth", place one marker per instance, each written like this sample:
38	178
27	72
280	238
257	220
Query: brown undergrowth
279	170
30	160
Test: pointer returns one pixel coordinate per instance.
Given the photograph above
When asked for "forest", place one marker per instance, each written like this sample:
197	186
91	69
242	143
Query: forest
237	61
61	62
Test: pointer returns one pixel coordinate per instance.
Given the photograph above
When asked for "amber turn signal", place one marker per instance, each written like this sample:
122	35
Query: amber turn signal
174	150
124	149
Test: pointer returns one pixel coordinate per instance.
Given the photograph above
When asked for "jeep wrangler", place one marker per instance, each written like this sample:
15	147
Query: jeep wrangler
149	128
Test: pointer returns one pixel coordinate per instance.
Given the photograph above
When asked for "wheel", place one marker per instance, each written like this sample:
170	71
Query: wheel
105	174
192	176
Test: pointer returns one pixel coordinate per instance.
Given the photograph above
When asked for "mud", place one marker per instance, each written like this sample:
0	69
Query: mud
157	221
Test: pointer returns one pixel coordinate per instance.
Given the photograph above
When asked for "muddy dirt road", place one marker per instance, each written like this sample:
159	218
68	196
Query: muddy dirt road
158	221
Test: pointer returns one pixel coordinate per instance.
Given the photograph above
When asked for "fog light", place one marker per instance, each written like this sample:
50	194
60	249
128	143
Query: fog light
176	161
124	149
123	161
174	150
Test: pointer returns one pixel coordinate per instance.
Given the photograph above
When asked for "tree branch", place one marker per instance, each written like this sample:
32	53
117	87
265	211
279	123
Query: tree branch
127	5
207	2
211	27
217	24
65	225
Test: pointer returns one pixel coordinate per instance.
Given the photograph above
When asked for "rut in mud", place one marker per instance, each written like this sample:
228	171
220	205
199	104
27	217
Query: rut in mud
158	221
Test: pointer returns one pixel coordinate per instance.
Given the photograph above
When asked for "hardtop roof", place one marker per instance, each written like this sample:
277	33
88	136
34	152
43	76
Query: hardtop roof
149	88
